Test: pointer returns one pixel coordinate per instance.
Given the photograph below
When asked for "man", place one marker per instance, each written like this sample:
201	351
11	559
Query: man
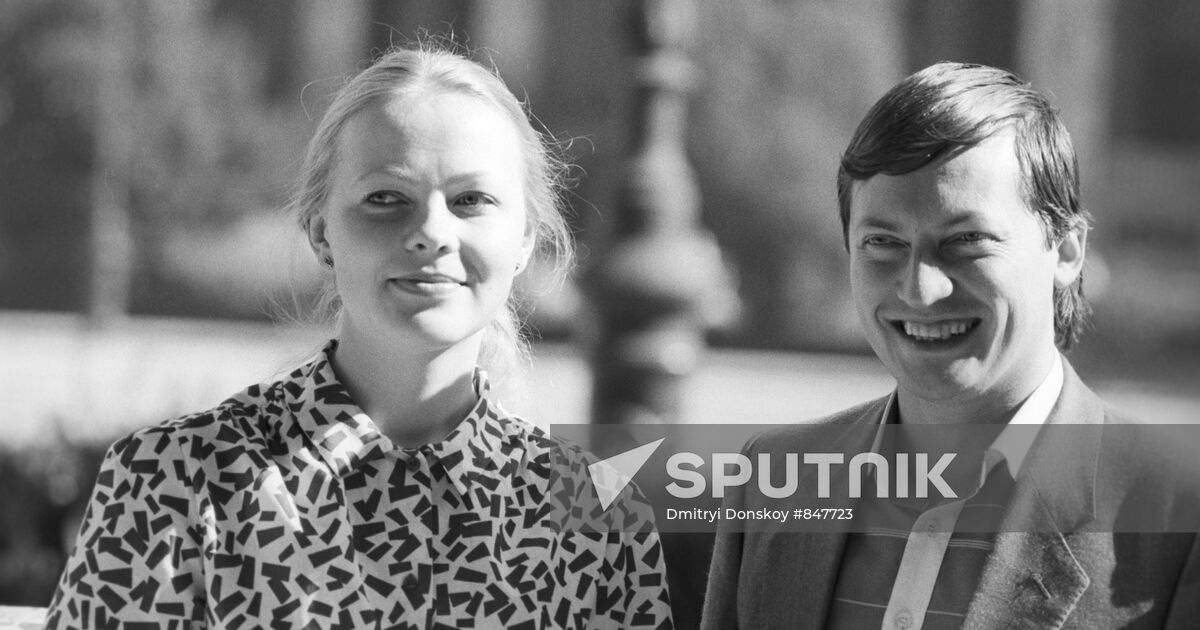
960	208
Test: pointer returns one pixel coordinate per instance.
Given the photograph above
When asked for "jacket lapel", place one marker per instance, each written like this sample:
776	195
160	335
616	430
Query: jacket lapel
819	559
1031	579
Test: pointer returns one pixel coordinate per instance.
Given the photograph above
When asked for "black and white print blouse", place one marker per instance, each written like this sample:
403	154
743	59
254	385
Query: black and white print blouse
286	507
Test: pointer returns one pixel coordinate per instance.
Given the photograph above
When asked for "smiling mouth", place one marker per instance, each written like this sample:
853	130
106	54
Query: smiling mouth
935	331
427	285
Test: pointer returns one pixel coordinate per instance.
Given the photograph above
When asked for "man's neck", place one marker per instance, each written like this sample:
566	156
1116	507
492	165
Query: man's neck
978	409
966	437
996	405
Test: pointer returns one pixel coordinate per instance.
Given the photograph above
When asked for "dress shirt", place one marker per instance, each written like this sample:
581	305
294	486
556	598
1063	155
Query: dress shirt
287	507
918	598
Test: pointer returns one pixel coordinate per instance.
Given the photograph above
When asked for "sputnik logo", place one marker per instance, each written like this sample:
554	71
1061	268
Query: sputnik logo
611	475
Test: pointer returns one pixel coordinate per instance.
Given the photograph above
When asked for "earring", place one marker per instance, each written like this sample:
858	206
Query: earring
328	261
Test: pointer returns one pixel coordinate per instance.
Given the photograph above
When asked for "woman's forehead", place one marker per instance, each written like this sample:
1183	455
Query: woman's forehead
446	126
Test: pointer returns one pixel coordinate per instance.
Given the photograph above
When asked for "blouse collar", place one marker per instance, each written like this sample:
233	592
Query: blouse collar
472	455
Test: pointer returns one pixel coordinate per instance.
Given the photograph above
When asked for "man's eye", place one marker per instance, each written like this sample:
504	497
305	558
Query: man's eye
383	197
879	241
971	241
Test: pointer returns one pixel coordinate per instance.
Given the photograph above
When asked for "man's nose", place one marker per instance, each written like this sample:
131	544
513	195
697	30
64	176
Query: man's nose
433	228
924	284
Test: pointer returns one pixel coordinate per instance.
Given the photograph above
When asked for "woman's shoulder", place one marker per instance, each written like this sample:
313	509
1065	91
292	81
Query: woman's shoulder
245	416
536	441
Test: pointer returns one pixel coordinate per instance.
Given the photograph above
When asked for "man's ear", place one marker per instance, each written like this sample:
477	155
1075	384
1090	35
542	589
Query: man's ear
1071	250
315	228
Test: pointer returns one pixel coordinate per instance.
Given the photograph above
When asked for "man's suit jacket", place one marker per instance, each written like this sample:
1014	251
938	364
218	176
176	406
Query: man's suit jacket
1073	573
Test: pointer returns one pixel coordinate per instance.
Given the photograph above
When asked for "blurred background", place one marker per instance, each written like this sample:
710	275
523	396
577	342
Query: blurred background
148	147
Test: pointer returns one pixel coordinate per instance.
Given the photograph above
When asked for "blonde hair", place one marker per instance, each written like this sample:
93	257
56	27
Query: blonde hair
409	72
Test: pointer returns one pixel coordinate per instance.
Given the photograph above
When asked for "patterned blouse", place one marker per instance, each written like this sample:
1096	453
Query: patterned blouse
286	507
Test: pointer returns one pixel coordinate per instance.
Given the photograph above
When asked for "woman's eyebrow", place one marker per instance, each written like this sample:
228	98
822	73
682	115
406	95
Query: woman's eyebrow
394	171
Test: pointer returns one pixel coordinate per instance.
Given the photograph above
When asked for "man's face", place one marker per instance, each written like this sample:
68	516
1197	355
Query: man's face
953	279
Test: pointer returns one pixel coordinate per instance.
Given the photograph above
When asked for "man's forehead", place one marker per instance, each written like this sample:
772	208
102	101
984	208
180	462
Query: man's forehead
968	184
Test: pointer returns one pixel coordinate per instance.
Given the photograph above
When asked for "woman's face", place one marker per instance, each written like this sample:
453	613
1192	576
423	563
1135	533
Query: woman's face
425	218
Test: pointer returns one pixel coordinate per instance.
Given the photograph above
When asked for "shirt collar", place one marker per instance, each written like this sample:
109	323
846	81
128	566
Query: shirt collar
345	437
1013	443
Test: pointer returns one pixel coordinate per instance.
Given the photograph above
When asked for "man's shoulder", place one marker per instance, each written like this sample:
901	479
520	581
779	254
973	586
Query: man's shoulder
869	412
790	437
1136	441
1166	450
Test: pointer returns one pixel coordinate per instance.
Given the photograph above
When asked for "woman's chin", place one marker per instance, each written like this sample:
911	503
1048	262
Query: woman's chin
434	331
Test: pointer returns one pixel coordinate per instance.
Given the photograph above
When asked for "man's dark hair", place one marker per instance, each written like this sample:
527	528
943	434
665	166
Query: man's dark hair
953	106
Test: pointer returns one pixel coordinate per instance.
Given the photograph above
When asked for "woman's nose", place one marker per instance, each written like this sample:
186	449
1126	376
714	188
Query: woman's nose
432	229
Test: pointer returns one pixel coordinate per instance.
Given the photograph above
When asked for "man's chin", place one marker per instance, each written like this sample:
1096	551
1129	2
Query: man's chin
940	381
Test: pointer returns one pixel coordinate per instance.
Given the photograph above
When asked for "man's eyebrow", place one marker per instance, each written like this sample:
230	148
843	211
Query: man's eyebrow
961	218
877	223
883	223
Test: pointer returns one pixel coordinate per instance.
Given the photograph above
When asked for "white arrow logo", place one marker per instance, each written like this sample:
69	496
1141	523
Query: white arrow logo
610	476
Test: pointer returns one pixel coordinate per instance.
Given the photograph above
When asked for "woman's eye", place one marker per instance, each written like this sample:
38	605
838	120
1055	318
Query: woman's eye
474	200
383	197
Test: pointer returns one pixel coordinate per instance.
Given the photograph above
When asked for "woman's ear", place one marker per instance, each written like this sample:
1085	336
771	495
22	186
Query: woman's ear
1071	250
315	228
528	242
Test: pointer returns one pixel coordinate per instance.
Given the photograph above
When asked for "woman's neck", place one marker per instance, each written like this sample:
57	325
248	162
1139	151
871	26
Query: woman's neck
415	395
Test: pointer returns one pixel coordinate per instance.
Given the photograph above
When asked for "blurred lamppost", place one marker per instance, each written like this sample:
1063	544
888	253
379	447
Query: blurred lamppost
659	282
110	241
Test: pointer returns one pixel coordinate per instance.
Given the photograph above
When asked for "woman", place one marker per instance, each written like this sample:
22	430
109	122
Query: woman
379	485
